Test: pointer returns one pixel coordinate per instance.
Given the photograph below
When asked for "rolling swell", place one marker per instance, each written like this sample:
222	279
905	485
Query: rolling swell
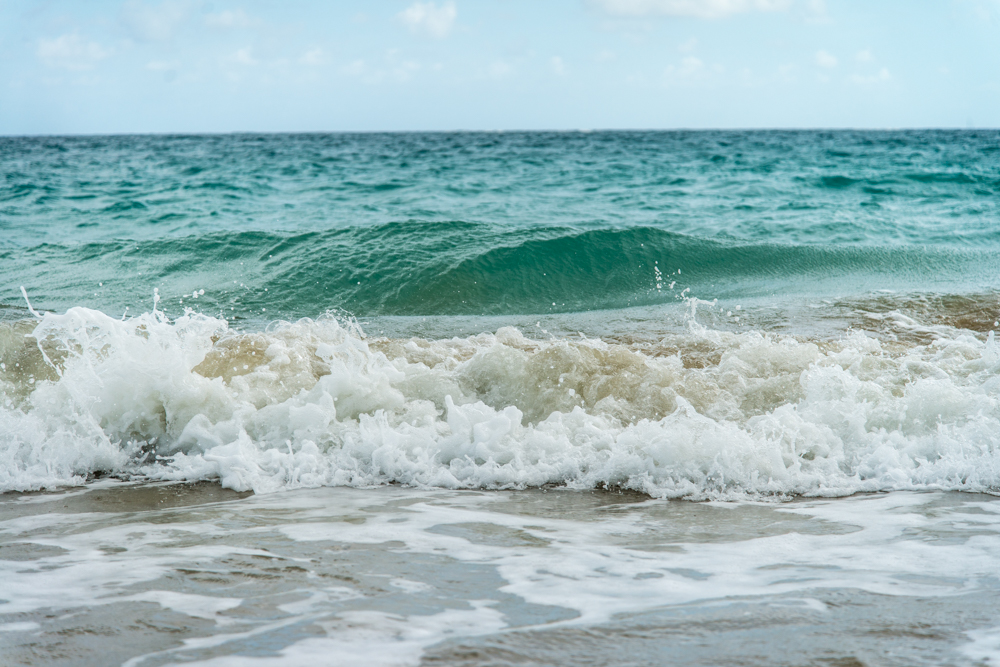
603	269
465	268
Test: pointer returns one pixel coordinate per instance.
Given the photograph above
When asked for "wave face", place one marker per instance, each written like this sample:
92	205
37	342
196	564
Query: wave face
457	268
699	414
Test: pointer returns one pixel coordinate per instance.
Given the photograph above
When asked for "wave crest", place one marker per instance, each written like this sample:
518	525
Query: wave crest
462	268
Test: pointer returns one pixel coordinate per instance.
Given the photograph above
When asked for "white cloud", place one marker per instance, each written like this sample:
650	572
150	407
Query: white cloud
313	57
605	55
816	12
167	68
161	66
149	23
688	46
787	73
703	9
401	69
229	19
364	72
356	68
558	66
71	52
393	68
405	70
824	59
428	18
689	67
883	75
983	9
243	56
499	69
863	56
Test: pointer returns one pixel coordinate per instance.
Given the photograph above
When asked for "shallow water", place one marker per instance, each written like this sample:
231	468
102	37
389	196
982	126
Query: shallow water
193	574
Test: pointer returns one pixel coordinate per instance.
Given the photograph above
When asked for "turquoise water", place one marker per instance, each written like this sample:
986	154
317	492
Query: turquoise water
488	223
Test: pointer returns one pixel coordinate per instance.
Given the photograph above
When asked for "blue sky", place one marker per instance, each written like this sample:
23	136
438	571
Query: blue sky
305	65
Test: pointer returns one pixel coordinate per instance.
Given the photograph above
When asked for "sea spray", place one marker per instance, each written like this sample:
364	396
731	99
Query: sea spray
703	413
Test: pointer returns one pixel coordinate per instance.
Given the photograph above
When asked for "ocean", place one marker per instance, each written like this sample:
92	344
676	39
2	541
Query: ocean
497	398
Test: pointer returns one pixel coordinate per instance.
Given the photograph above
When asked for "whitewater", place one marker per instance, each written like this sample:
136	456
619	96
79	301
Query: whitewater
702	414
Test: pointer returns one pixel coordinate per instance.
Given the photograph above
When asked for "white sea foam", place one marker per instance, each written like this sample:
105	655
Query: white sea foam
984	647
26	626
594	567
703	414
353	634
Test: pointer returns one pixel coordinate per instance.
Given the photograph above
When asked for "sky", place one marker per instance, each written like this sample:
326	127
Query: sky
199	66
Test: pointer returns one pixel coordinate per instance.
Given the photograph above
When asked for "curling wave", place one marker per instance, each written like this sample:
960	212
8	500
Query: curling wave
464	268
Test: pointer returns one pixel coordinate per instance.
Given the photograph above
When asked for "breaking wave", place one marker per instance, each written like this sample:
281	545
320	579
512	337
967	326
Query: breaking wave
702	413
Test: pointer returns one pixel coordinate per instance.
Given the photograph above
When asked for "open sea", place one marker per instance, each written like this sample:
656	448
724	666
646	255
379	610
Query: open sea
522	398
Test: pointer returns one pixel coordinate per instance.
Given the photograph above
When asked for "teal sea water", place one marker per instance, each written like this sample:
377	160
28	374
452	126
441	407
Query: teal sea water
425	399
493	223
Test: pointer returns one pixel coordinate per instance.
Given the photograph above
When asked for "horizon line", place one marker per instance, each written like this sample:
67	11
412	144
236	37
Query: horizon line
169	133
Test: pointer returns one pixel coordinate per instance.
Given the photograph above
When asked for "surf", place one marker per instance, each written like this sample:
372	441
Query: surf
701	413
